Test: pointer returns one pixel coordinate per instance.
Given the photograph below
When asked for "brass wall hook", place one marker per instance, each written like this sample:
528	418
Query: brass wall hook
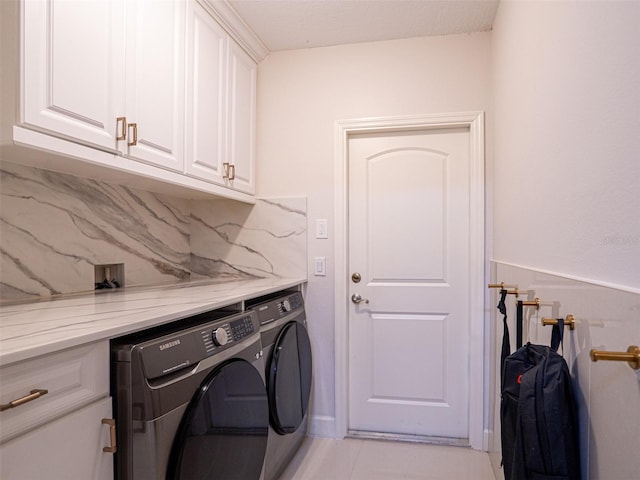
569	320
631	356
501	286
536	302
517	292
532	303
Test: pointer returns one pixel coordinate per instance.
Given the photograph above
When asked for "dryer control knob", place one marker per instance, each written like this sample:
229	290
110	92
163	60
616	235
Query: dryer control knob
286	306
220	337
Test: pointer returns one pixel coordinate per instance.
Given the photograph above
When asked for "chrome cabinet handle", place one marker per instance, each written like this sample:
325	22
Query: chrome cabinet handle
356	298
37	393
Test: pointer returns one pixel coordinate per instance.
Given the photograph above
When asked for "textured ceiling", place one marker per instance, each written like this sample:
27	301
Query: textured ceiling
294	24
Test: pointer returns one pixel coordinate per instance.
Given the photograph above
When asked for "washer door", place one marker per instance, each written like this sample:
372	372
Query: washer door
289	378
223	433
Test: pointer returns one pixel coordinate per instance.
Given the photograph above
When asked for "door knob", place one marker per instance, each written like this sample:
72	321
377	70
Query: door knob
356	298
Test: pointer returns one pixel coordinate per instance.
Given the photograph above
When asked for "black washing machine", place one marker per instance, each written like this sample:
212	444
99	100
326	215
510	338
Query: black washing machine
190	400
287	352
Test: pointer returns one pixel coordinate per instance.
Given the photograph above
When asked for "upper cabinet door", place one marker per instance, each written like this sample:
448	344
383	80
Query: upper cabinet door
242	118
206	98
72	79
154	53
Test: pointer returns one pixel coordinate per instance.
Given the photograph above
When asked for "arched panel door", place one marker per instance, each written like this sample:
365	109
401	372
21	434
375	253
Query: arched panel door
223	433
289	382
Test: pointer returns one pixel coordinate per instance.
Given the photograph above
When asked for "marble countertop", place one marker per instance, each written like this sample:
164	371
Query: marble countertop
28	330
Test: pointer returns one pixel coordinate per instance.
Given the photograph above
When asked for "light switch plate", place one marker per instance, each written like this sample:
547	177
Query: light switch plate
320	266
322	228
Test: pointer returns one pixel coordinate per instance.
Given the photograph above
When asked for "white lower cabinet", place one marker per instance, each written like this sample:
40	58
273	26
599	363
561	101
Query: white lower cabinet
51	423
69	448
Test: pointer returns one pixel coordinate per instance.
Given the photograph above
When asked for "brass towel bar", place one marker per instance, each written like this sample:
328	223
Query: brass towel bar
631	356
569	320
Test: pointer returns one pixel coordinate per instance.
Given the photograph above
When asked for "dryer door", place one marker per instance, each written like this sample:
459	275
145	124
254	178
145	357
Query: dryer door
289	378
223	433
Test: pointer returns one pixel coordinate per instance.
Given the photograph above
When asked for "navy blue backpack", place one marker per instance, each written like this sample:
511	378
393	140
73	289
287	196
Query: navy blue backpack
537	410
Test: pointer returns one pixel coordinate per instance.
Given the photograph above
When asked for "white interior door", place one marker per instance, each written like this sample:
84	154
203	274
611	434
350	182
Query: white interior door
409	218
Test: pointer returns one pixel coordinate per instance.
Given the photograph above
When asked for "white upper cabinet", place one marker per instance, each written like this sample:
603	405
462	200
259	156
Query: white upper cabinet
148	93
109	74
221	99
73	69
154	53
242	119
206	96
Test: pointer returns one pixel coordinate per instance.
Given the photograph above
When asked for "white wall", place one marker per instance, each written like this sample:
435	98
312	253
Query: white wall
566	196
566	84
302	93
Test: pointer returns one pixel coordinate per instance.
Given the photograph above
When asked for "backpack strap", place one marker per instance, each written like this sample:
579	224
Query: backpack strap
557	335
506	346
519	315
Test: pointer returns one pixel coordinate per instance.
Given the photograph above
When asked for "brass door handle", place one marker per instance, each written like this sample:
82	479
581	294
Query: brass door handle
631	356
232	172
357	298
37	393
112	433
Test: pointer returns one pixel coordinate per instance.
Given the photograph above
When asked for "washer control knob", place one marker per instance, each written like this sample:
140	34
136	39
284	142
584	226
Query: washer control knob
220	337
286	306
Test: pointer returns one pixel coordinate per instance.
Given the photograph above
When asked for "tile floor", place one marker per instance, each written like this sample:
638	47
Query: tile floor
355	459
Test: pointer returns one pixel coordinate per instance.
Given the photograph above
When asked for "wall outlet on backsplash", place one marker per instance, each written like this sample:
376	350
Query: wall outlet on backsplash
109	276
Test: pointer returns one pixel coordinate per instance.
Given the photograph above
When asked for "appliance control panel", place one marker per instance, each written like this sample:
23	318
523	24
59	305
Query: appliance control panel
227	333
176	346
278	308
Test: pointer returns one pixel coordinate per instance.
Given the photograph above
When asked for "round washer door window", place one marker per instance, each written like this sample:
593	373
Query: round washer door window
289	378
223	433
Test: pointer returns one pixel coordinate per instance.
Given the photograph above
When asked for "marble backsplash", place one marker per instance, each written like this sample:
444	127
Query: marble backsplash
56	228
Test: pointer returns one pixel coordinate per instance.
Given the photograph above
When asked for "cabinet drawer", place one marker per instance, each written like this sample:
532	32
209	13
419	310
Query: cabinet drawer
70	448
73	378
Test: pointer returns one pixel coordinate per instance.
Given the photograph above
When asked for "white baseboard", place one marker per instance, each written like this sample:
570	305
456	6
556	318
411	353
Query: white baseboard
322	426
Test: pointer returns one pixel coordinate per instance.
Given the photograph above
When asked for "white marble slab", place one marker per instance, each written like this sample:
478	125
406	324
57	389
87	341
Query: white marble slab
37	328
56	228
234	240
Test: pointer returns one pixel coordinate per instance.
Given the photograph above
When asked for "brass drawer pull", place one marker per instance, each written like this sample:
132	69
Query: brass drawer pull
225	165
123	129
632	356
134	139
37	393
232	172
112	432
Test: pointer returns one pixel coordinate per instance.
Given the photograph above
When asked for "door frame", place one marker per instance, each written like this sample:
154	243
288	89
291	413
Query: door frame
344	129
